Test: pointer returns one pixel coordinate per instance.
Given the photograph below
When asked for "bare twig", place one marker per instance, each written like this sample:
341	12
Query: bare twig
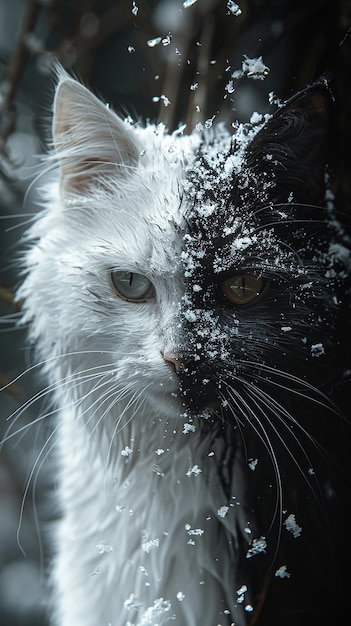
199	96
9	86
18	64
10	388
8	298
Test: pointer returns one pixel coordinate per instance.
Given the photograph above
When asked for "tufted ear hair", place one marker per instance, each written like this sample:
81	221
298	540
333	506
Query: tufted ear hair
293	146
91	142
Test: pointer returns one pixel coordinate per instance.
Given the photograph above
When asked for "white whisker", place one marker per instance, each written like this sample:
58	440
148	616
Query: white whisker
29	482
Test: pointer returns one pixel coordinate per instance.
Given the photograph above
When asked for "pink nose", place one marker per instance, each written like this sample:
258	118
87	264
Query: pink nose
173	361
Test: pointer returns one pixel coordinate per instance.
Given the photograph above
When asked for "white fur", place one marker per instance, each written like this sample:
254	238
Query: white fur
141	541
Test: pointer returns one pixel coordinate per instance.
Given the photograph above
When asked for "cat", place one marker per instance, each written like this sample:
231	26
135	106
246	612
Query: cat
186	297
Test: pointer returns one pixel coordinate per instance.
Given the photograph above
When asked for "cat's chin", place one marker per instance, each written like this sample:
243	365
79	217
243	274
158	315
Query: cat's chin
165	403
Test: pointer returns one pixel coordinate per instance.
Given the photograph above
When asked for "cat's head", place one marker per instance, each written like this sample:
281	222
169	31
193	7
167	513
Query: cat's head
263	262
104	282
187	273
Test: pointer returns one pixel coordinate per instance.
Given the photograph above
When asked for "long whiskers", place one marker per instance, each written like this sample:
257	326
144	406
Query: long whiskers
298	386
134	400
263	435
35	470
66	383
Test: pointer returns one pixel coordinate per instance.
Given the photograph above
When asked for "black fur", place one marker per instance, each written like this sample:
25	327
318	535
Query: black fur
274	371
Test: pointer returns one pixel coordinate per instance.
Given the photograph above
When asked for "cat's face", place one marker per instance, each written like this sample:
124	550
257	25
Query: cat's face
186	275
260	298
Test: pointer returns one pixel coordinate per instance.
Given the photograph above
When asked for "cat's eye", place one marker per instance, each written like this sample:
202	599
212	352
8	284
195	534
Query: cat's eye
242	288
133	287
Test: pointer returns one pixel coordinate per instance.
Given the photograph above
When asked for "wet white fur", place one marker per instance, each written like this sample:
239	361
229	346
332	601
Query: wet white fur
141	540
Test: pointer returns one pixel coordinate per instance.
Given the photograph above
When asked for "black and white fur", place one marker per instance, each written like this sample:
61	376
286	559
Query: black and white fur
186	431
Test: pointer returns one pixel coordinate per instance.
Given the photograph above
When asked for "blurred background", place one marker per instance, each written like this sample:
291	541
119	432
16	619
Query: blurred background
169	61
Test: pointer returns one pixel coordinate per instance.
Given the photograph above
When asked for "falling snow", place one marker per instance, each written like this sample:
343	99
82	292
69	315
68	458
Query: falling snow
147	546
155	613
317	350
154	42
234	8
102	547
127	451
282	572
291	525
166	101
194	471
258	546
167	40
197	532
252	68
132	602
222	511
189	428
252	463
241	594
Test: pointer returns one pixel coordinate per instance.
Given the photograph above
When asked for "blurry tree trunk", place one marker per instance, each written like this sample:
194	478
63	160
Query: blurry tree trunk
343	118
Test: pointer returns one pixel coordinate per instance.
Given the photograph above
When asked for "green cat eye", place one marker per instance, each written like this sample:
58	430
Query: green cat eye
242	288
132	287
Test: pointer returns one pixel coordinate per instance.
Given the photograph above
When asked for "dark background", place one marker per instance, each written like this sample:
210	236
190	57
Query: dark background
105	44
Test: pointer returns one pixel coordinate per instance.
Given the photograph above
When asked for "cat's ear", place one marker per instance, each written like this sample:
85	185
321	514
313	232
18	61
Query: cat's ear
91	142
293	145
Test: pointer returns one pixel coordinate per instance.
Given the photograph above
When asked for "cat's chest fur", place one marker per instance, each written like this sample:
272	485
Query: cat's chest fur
150	533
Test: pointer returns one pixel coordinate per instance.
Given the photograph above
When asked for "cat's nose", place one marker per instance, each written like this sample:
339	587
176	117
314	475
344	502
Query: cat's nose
173	361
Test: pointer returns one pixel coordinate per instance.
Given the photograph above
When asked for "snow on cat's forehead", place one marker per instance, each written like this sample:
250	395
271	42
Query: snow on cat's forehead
175	148
221	155
182	168
190	151
182	145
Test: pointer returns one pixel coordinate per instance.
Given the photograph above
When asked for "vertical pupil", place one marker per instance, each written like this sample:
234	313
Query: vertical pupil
130	279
